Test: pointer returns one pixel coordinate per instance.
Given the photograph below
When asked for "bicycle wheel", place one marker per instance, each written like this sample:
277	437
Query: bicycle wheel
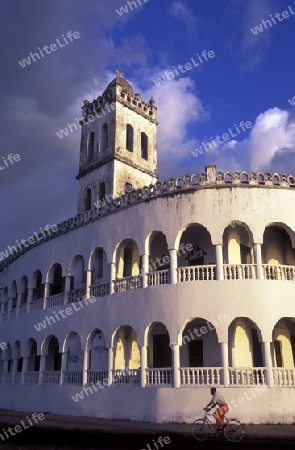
200	429
234	431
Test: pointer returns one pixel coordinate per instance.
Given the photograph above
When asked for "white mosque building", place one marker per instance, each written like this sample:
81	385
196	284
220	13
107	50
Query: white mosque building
156	290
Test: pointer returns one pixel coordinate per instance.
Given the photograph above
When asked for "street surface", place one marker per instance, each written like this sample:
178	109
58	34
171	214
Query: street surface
35	439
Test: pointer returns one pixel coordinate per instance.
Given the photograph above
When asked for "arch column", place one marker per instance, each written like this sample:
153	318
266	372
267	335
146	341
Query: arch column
111	365
268	363
5	369
258	261
224	358
219	262
113	267
144	270
176	372
18	303
10	300
14	369
64	365
173	265
68	279
30	298
2	310
46	294
143	365
88	282
41	368
85	366
24	368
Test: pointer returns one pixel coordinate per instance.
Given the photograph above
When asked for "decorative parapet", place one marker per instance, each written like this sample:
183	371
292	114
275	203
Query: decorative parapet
185	183
120	90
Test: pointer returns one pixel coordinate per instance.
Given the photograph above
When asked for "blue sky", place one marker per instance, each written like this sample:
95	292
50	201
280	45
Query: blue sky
250	78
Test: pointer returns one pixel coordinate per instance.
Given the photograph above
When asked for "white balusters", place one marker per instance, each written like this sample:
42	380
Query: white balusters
161	376
203	376
159	277
196	273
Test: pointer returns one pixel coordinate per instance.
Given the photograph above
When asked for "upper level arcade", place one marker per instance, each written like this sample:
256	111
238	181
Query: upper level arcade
237	243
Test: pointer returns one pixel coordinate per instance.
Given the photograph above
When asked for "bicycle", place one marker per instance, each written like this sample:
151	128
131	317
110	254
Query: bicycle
233	430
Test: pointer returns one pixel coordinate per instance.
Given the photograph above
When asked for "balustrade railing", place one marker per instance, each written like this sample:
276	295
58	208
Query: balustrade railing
12	313
55	300
51	377
7	378
247	376
196	273
189	376
284	376
201	376
96	376
100	290
272	272
239	271
73	377
161	376
22	309
4	317
126	376
35	305
17	378
128	283
159	277
76	295
31	377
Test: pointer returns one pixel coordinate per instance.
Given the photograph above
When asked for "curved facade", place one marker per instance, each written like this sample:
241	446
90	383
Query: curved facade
135	308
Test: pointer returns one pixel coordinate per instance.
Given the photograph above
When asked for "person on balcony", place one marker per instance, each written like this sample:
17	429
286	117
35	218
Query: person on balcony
218	399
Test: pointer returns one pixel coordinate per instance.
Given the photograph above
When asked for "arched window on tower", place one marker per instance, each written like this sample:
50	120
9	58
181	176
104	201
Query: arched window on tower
144	146
104	142
87	200
90	145
129	137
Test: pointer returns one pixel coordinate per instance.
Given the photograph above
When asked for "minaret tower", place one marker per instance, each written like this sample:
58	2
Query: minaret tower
118	144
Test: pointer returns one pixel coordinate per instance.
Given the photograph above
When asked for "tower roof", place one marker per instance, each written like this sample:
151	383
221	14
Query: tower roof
122	82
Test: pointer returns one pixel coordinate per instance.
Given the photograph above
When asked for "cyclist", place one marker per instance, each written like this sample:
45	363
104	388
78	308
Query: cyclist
218	399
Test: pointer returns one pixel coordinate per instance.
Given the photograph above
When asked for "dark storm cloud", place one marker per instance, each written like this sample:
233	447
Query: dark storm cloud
40	99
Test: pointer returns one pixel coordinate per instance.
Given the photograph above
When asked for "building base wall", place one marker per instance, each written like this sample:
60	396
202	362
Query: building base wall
183	405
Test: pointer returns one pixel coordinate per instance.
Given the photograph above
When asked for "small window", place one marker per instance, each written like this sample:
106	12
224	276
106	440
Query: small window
292	337
127	258
90	145
144	146
128	188
104	137
129	138
102	191
87	200
256	349
278	353
245	254
57	285
195	353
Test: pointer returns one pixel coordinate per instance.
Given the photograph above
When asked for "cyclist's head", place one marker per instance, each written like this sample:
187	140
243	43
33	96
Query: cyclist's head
213	390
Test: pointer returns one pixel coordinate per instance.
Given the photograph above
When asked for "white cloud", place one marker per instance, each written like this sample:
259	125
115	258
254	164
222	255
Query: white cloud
178	107
272	131
180	10
270	146
249	46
